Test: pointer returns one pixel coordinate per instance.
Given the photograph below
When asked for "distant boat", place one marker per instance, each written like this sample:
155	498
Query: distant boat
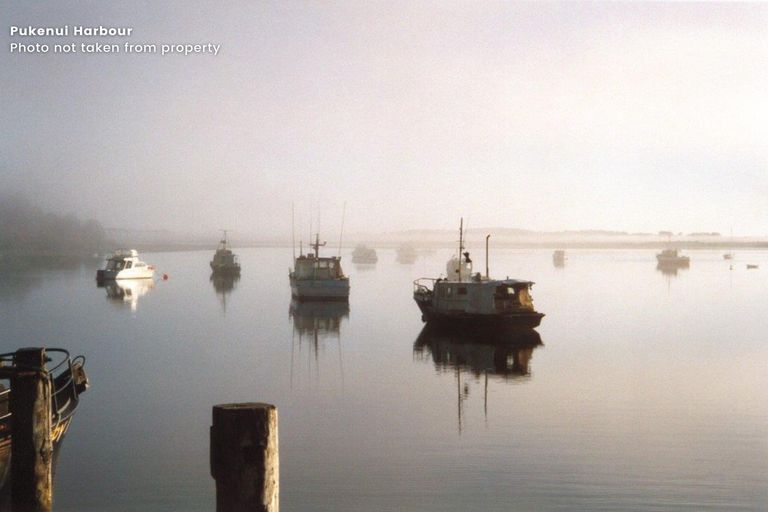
672	258
317	278
752	266
125	264
471	299
224	261
728	256
364	254
68	381
406	255
558	258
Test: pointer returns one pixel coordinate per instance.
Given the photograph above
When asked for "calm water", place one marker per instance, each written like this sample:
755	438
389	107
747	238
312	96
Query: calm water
649	392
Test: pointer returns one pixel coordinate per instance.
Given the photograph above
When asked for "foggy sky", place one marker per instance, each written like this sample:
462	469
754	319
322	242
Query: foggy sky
635	117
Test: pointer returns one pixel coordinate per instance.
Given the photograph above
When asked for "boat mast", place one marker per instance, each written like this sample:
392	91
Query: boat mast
461	244
293	230
341	233
486	258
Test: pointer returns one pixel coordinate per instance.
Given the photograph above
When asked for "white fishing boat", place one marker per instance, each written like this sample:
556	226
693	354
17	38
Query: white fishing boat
464	297
125	264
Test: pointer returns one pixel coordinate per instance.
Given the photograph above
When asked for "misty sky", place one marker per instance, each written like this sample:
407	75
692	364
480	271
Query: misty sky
635	117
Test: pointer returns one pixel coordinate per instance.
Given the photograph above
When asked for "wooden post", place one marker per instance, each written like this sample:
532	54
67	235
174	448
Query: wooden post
245	457
31	448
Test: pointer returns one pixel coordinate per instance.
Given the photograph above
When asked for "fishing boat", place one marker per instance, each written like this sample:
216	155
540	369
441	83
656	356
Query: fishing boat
406	255
364	255
125	264
464	297
224	261
558	258
318	278
672	258
68	382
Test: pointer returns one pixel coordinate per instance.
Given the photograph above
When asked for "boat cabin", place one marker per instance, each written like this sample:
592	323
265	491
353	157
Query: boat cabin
311	267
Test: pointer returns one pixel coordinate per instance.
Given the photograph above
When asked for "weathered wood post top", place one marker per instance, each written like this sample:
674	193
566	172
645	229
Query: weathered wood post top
245	458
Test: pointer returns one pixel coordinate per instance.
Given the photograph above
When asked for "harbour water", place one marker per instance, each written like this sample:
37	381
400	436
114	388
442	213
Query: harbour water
649	390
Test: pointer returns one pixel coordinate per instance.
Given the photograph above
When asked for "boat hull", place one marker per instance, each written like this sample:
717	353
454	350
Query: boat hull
320	289
113	275
225	270
459	318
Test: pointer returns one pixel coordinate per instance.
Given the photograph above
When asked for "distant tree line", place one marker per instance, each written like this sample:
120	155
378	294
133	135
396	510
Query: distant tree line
29	234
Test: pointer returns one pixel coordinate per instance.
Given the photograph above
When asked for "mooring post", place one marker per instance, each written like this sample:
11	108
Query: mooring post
31	448
244	457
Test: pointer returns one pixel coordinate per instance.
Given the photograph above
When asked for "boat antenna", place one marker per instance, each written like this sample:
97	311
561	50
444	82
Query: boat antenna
461	243
293	229
341	232
486	261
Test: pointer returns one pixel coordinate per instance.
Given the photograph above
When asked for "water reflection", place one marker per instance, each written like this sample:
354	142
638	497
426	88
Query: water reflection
318	320
670	270
223	285
500	354
128	291
314	322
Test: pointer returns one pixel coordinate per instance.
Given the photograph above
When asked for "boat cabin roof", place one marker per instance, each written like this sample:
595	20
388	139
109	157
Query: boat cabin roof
484	282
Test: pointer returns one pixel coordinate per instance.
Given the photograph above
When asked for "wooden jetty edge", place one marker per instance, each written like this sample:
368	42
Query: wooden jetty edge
245	458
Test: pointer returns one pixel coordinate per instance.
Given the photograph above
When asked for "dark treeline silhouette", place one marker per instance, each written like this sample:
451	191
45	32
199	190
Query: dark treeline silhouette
30	236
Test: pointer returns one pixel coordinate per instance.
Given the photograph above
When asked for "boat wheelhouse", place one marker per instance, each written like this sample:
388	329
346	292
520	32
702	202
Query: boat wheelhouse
318	278
224	260
125	264
465	297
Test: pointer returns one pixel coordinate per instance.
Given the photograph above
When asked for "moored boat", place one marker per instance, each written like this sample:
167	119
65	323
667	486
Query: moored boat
125	264
224	260
558	258
672	257
364	255
318	278
469	298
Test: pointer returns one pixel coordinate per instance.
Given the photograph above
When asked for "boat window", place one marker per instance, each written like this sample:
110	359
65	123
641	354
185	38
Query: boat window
128	264
141	264
510	290
322	264
462	290
448	290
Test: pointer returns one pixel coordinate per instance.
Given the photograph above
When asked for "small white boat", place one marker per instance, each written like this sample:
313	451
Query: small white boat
125	264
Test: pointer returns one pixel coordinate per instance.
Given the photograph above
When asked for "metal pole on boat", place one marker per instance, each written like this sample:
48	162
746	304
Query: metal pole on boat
461	244
486	256
245	458
31	446
293	231
341	232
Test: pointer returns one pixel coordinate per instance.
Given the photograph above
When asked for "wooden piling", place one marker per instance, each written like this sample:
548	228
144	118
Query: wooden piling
31	447
245	457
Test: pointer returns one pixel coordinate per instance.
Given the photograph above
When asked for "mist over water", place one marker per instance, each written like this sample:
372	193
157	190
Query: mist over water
648	391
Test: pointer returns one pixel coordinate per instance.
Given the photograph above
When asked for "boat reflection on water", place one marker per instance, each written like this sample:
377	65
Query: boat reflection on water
491	354
318	319
670	270
313	322
127	291
223	285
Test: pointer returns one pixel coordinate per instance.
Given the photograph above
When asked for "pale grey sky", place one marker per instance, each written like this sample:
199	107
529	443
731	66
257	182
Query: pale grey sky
624	116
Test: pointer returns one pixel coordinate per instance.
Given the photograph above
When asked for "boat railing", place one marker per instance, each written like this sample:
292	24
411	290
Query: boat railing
64	384
421	285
